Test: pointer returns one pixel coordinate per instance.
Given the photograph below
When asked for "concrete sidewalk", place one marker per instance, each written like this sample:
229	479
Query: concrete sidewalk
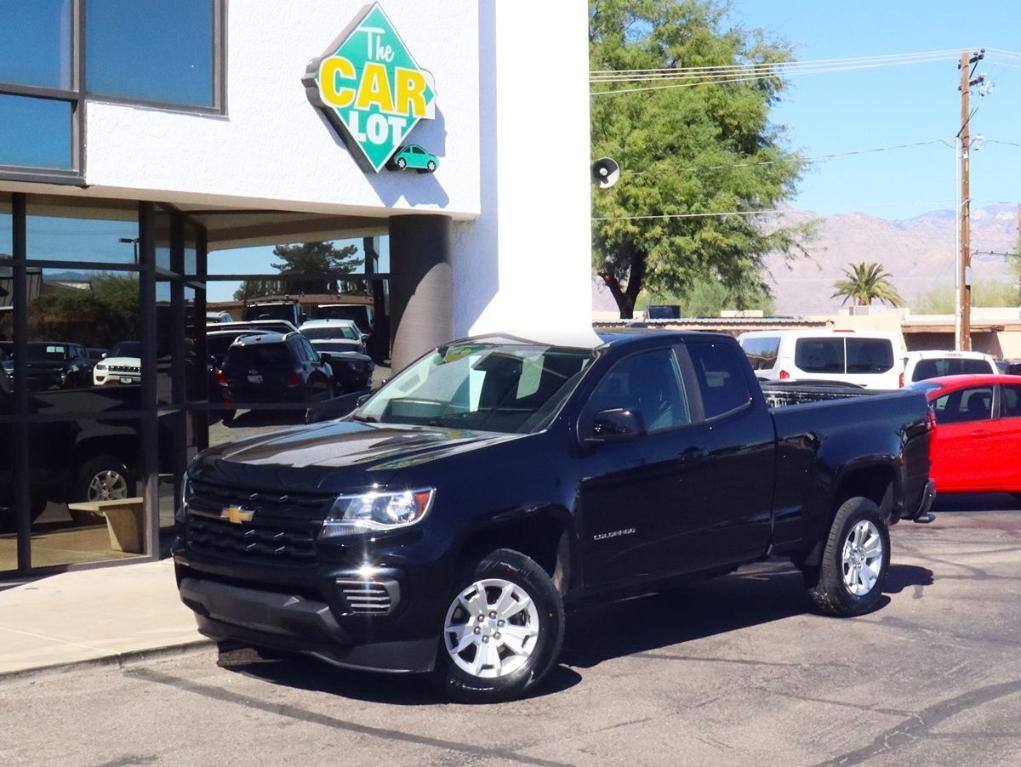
93	615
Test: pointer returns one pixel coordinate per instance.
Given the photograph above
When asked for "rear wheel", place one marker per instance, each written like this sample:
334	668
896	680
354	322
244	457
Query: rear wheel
852	572
502	632
402	163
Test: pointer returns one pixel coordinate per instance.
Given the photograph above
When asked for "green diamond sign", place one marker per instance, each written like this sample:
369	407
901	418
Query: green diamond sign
371	88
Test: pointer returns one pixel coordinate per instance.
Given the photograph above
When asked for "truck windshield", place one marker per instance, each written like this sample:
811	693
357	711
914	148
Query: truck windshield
511	388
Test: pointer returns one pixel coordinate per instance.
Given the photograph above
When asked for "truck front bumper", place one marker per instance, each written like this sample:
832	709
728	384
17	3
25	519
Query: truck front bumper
296	624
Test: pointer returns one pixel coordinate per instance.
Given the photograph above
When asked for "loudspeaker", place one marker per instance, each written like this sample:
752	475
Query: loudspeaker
605	172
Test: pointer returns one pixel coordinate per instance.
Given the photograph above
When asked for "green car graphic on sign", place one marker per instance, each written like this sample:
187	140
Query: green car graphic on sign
414	157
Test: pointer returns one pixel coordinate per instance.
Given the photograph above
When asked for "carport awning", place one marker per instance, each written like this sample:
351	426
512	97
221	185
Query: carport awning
232	228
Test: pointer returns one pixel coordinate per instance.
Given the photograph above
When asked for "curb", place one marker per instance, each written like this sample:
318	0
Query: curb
116	659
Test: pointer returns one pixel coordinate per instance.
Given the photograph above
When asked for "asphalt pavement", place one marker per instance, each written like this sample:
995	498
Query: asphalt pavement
734	671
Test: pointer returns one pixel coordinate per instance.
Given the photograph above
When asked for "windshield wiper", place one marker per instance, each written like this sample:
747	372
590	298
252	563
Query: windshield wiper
365	418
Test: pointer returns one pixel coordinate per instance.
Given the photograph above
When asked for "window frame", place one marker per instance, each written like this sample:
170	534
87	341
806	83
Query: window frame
73	95
78	97
219	60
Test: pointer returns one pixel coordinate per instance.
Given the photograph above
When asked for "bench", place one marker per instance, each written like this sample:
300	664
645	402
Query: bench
125	521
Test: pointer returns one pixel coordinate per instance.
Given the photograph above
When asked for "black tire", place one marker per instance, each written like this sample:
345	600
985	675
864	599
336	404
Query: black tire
826	584
431	167
515	568
401	163
227	416
83	479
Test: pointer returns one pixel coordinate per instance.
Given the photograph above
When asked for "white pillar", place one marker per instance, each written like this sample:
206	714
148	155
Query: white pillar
526	261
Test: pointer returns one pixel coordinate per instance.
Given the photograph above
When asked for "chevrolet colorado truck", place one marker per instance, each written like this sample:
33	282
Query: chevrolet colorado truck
447	524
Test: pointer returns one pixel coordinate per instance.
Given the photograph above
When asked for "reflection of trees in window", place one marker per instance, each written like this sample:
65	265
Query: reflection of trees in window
98	313
308	267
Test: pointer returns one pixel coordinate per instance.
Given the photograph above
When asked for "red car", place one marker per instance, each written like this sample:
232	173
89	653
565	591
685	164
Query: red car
976	447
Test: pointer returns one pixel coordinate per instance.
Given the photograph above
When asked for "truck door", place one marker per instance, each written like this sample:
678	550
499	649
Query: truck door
643	502
741	445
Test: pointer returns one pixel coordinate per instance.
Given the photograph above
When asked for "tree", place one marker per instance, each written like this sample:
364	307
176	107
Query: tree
942	299
685	152
308	267
707	297
865	283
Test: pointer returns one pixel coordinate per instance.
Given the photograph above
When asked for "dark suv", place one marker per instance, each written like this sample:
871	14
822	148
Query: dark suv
274	368
55	365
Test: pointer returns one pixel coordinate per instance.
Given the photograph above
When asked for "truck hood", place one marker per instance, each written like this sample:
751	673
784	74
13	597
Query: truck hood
338	456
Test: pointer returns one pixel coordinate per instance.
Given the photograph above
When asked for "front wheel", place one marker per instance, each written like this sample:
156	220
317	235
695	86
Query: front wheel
502	632
104	478
855	561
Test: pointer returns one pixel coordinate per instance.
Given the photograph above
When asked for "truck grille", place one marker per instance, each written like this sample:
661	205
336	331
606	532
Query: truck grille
366	597
282	527
248	541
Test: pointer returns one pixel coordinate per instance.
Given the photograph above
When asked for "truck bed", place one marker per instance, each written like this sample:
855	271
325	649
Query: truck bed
804	392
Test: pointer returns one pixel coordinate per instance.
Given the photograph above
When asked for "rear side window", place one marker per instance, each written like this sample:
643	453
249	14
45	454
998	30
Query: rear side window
935	368
721	377
869	355
1010	402
264	354
761	352
819	355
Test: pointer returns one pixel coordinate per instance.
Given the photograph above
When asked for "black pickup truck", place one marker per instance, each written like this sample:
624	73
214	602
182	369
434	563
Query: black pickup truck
447	523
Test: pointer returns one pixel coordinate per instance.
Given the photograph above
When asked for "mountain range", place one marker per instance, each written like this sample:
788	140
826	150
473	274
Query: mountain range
918	253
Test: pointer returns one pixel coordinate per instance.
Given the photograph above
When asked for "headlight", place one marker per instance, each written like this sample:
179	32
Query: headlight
181	512
101	367
377	511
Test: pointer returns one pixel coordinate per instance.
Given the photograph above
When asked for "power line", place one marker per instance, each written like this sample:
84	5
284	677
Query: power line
817	158
944	53
691	215
691	78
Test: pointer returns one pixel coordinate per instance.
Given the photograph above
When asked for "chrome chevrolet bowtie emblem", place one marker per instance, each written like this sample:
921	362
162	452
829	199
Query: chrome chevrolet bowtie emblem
236	515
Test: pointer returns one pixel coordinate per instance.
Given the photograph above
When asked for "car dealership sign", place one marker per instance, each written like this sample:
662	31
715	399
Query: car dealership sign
370	87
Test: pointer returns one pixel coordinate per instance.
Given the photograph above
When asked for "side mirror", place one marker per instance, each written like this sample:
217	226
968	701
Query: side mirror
614	425
364	398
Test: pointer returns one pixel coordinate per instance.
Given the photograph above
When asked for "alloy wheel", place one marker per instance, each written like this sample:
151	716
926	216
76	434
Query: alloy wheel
108	485
862	558
491	629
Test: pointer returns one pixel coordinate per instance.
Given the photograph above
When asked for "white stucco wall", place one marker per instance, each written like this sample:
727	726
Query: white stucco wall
524	264
273	148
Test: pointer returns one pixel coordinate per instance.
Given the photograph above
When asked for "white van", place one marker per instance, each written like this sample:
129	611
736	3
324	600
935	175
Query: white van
867	358
919	366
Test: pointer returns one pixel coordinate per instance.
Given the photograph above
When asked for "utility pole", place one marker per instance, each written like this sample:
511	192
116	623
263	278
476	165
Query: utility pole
963	340
963	324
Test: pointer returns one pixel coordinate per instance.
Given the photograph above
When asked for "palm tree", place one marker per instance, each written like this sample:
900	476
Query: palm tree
865	283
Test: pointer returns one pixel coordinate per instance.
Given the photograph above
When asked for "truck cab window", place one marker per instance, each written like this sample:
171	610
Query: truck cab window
648	383
720	371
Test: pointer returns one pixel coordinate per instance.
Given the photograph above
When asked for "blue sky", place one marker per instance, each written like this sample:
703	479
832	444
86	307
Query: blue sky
863	109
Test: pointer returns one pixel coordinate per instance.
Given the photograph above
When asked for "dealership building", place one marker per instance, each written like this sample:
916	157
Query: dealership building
147	147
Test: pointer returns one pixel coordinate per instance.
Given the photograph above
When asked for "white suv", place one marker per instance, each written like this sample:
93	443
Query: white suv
865	358
919	366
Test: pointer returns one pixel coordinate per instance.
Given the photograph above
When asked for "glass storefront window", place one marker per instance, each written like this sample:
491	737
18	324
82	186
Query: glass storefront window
35	40
6	231
77	461
151	50
35	133
83	353
70	230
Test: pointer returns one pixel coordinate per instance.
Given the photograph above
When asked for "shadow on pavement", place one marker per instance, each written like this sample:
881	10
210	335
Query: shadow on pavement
396	689
634	626
900	577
